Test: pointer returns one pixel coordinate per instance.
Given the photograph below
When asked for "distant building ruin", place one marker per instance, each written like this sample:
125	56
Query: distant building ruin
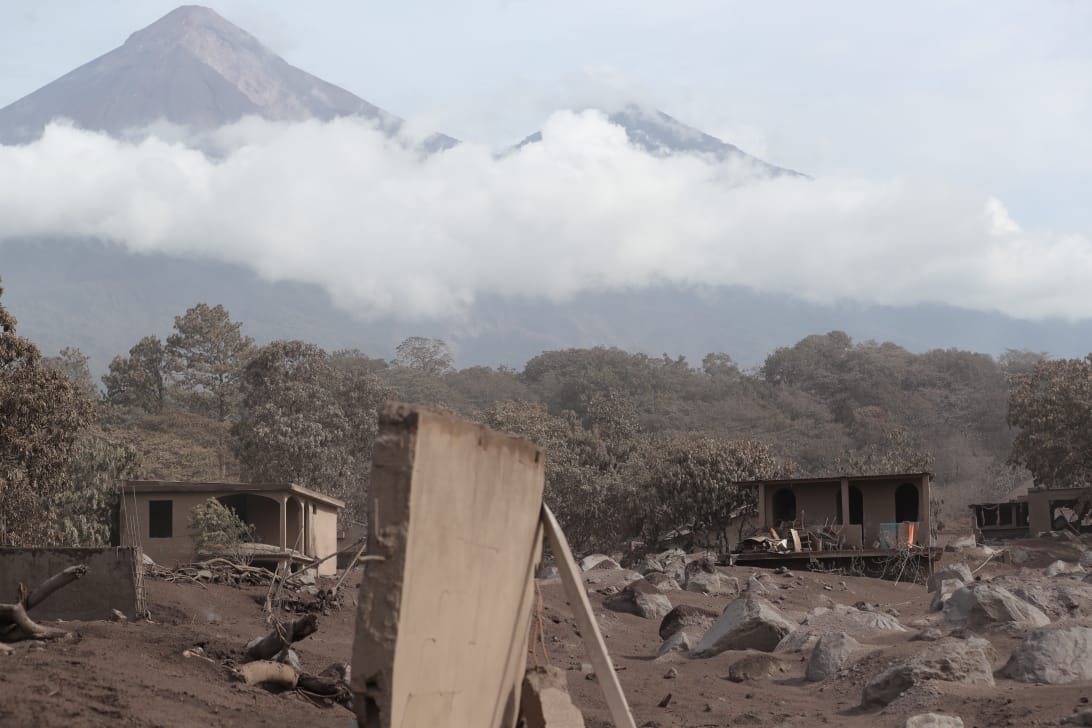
1041	510
291	522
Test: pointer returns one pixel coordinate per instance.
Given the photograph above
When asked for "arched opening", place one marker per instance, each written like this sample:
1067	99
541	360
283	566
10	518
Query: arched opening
906	502
856	505
784	505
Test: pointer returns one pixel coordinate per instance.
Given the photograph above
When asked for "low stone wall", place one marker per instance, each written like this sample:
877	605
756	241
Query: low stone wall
114	580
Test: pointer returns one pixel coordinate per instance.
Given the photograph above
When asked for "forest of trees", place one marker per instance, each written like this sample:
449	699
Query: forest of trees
636	445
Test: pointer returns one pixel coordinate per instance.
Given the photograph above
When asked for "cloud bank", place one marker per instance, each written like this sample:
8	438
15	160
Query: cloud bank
388	231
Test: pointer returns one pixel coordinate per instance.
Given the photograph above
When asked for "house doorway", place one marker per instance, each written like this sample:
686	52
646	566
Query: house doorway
906	503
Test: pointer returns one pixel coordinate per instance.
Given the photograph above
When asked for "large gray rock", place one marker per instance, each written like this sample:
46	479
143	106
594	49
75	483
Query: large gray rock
830	655
598	561
686	615
1053	656
1081	717
962	661
641	598
944	591
953	571
748	623
840	618
1058	597
616	578
1061	568
648	564
714	584
757	667
852	620
681	641
986	605
662	581
545	702
934	720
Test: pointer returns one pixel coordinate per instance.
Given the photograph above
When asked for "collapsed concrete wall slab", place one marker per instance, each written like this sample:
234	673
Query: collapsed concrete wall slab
114	580
443	619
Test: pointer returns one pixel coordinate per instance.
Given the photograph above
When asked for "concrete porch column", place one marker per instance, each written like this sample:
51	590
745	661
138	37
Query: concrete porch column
845	501
283	542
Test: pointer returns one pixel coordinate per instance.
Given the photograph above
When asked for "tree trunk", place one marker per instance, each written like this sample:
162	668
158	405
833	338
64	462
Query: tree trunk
281	637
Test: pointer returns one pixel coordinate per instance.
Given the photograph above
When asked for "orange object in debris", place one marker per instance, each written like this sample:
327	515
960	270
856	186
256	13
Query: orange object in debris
910	537
773	532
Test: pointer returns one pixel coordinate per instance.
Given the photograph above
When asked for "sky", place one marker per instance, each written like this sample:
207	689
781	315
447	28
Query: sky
948	142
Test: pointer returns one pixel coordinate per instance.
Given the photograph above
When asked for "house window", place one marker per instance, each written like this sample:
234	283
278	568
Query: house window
160	519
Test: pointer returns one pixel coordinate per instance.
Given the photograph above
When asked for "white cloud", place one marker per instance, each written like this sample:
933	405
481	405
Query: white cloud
388	231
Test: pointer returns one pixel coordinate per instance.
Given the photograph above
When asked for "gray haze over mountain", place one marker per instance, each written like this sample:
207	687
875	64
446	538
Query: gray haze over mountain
318	217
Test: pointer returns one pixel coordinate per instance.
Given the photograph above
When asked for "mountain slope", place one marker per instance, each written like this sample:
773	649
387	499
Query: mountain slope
660	134
192	68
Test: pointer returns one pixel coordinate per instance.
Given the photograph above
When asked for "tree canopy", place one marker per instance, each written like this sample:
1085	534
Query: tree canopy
1051	404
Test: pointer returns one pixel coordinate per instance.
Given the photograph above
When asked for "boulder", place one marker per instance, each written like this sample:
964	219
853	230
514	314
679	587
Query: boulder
1058	597
952	660
698	566
1053	656
647	565
681	641
800	639
943	592
662	581
685	615
1081	717
757	667
598	561
713	583
1061	568
985	605
755	586
548	572
674	564
830	655
852	620
748	623
953	571
929	634
934	720
545	702
840	618
617	578
640	598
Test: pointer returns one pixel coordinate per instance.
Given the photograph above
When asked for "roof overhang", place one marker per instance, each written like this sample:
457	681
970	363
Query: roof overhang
181	487
836	479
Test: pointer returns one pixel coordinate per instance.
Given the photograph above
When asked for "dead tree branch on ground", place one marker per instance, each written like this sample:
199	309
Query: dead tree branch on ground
16	625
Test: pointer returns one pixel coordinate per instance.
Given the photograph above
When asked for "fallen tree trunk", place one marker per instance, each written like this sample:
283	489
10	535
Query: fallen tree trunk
283	635
16	625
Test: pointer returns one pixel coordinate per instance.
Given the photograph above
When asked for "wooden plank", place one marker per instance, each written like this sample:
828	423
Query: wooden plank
443	621
585	620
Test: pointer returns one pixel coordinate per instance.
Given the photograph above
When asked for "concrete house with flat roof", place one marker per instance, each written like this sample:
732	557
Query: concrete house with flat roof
862	512
291	522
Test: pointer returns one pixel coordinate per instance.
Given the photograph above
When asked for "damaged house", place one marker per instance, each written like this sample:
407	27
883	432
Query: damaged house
857	515
290	522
